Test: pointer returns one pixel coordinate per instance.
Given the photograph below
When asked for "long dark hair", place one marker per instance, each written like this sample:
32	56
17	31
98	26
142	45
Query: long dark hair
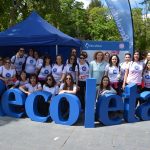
33	75
140	56
145	68
61	58
110	60
75	62
44	62
65	83
108	86
19	77
53	81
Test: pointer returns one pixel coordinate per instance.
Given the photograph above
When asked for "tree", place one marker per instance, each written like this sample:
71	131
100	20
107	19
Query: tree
141	32
95	3
101	25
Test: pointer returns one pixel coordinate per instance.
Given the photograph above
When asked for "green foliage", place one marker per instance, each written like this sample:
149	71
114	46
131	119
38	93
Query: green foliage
95	3
101	25
141	30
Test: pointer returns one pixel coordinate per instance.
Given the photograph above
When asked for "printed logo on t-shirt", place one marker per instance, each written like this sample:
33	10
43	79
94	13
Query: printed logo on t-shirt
20	63
46	72
8	75
147	77
114	71
70	69
31	61
84	68
137	68
55	70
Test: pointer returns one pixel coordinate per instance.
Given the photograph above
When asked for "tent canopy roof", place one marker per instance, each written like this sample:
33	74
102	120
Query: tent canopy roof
34	30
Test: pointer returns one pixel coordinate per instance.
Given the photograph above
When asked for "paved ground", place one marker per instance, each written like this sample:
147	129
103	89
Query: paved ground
24	134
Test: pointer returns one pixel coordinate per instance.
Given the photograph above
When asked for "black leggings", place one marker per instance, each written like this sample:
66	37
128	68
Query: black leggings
81	93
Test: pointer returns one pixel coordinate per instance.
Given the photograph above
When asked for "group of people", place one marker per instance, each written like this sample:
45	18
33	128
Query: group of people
32	72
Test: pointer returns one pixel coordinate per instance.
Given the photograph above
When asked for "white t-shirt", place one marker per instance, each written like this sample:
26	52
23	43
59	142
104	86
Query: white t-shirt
57	72
7	73
146	78
32	89
83	71
21	83
18	62
53	90
45	71
30	65
113	73
39	63
62	86
135	72
123	67
68	69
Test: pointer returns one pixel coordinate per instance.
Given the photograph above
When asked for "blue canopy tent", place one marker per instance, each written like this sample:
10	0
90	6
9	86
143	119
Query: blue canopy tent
36	32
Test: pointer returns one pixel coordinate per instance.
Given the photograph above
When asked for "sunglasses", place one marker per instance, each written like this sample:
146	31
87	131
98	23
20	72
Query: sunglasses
81	57
21	50
7	62
68	78
49	79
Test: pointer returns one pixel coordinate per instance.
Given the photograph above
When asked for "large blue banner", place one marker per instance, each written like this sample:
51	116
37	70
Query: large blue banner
106	45
121	12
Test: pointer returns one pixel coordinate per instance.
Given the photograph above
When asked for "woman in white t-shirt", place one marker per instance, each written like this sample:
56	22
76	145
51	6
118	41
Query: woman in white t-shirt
146	76
45	70
57	70
30	64
70	67
39	61
124	66
22	80
68	86
82	73
32	86
50	86
105	87
112	70
7	74
134	72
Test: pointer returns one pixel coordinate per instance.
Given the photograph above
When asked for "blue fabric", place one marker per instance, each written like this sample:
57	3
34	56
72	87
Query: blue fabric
35	31
121	12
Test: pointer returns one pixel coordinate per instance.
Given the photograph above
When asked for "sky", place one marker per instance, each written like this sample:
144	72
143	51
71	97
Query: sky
134	3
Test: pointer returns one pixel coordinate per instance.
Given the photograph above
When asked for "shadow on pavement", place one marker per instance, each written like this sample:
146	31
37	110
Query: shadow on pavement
6	120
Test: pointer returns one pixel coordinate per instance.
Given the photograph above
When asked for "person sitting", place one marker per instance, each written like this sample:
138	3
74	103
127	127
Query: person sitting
22	80
105	87
68	86
32	86
50	86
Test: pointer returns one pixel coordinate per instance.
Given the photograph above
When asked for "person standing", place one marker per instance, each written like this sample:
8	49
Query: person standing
8	74
18	60
112	70
97	67
30	64
134	72
146	77
82	73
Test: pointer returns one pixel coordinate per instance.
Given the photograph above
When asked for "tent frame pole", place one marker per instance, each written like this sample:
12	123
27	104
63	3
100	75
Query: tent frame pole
56	50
